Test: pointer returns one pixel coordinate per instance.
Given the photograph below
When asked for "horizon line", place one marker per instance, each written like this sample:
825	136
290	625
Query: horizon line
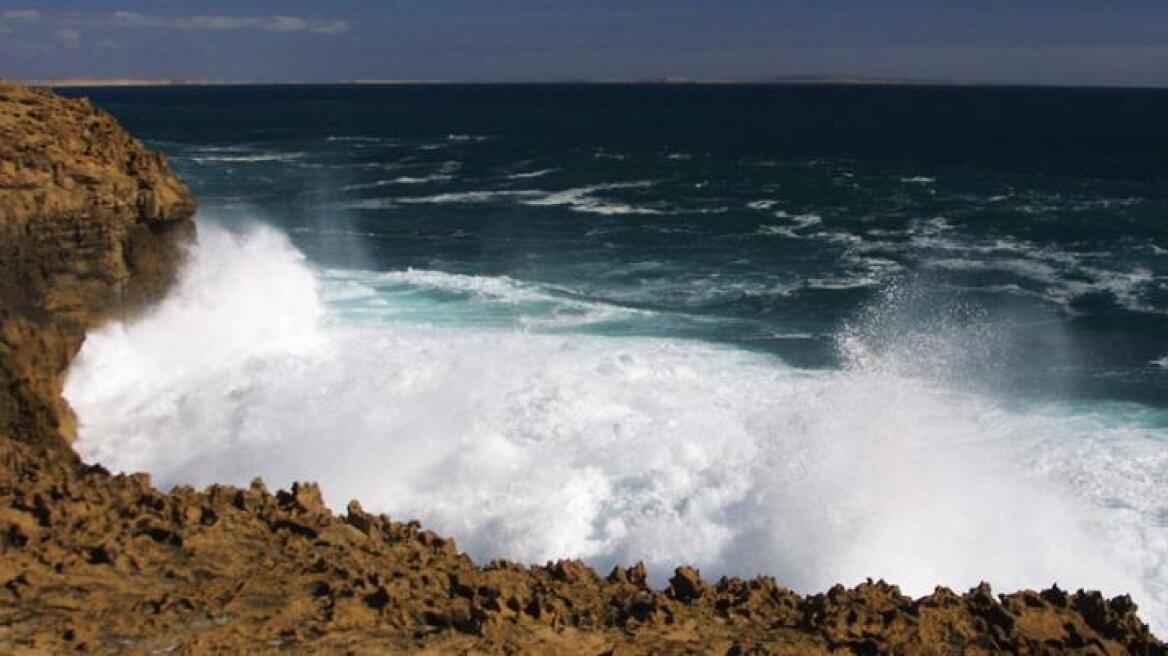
792	80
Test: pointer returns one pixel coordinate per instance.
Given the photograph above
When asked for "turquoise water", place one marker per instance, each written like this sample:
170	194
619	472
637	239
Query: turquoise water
764	218
821	332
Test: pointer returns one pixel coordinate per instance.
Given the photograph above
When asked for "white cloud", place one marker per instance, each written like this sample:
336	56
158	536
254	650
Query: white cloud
20	16
10	17
330	26
68	38
107	45
284	24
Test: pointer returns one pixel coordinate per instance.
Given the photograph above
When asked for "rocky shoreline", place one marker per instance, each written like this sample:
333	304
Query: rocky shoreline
93	226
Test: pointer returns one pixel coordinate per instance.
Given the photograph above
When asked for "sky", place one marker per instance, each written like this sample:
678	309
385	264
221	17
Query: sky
1068	42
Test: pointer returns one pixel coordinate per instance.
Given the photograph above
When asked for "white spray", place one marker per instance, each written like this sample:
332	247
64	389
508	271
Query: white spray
533	447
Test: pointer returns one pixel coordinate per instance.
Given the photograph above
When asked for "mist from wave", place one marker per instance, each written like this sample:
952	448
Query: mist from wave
528	437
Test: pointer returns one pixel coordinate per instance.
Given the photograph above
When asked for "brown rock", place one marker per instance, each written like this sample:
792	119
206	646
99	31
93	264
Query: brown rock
686	585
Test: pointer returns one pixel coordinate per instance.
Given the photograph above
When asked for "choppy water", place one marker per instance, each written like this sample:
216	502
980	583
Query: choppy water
826	333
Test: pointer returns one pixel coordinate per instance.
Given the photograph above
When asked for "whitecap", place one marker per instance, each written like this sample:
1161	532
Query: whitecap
437	177
400	180
1022	267
355	139
581	199
777	231
498	287
477	196
524	175
801	222
246	159
806	220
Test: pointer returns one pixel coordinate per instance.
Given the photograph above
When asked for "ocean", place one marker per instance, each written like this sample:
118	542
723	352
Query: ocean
821	332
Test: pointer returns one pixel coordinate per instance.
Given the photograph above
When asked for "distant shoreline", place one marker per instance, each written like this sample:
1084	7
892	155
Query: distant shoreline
825	81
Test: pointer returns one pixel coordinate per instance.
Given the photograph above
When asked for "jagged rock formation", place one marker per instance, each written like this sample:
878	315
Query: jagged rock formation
91	225
109	564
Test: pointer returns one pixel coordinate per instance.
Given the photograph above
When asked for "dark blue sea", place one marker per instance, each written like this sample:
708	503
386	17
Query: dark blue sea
822	332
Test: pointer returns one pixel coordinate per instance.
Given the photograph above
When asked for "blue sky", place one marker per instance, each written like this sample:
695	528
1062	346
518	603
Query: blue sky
1121	42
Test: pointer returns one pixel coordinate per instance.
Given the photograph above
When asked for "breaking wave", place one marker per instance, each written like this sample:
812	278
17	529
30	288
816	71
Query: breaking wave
529	444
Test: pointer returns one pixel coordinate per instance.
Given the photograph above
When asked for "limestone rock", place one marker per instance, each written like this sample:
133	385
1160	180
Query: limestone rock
92	224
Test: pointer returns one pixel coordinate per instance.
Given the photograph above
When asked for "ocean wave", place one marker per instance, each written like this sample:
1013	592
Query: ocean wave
805	220
336	232
838	237
581	199
496	287
525	175
368	204
538	446
1032	269
400	180
476	196
777	231
919	179
505	301
1089	204
247	159
1064	275
1037	203
837	284
356	139
207	148
437	177
346	166
801	221
1126	287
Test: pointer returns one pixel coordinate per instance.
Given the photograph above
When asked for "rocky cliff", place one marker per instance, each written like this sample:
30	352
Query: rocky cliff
93	225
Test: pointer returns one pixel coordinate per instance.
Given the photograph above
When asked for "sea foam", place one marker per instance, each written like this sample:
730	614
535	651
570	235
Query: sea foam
534	446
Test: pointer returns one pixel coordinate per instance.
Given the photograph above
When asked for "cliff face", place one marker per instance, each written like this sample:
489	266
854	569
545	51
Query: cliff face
92	224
